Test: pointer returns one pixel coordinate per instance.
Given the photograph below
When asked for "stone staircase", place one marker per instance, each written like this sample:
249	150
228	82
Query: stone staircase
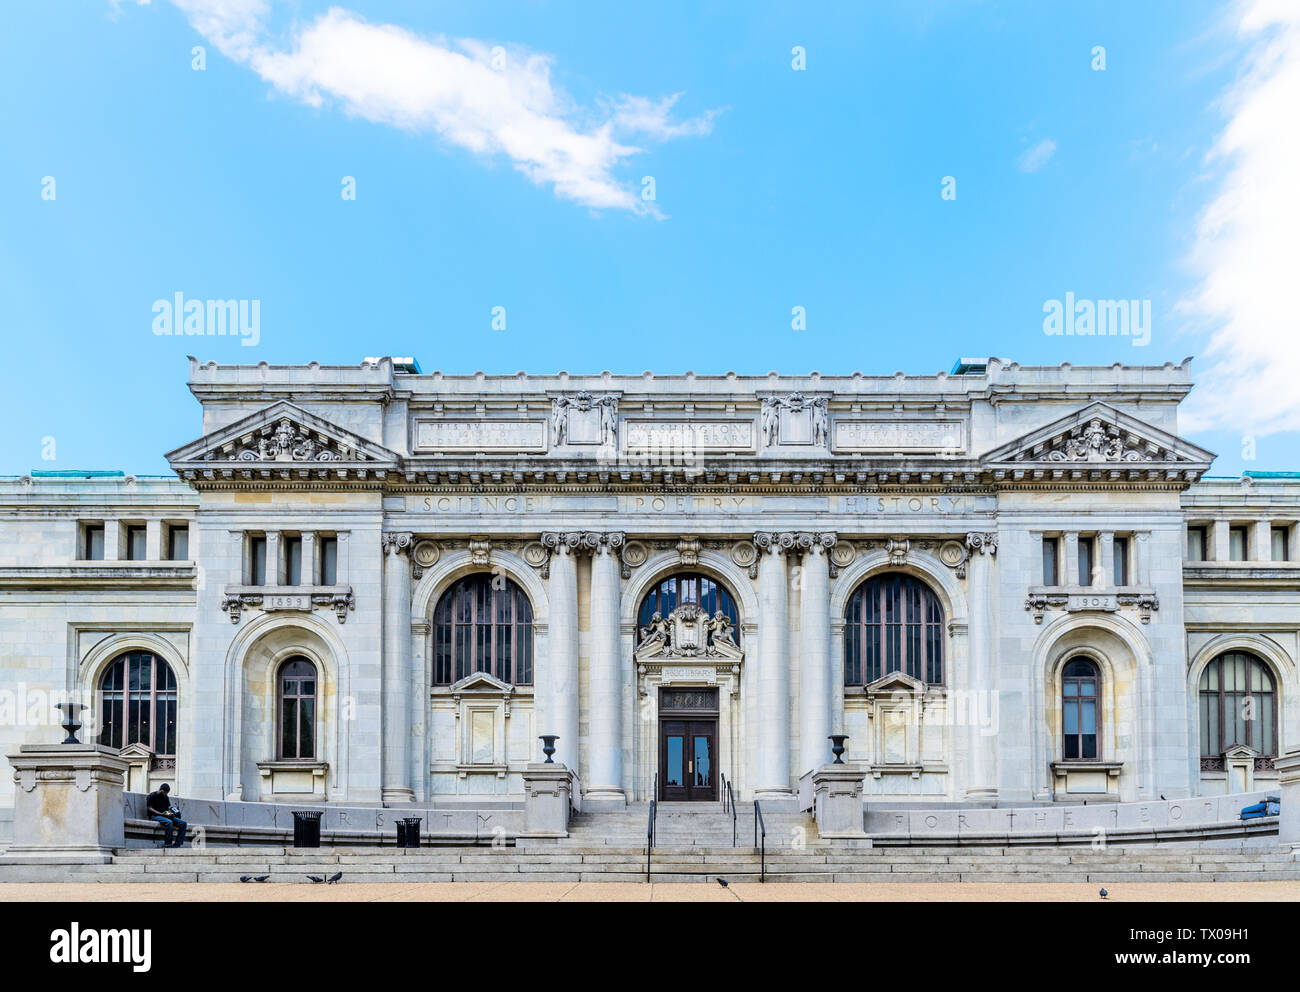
819	862
694	844
687	825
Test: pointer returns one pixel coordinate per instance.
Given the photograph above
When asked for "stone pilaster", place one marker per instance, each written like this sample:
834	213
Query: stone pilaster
563	659
982	782
815	686
605	761
773	730
396	763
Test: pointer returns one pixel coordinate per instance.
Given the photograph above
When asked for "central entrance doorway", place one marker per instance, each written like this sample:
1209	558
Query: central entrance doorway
688	745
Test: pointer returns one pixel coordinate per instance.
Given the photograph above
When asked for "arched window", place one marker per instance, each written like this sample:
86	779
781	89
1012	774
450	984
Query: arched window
1238	701
689	587
1080	681
138	703
894	623
296	689
483	623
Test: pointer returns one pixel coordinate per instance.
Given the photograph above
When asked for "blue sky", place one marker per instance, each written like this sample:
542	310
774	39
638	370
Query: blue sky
774	189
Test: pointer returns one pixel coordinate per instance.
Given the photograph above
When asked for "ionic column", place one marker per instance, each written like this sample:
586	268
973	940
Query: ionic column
773	730
605	760
307	569
396	764
815	653
1260	539
1105	559
272	558
563	648
1070	559
982	782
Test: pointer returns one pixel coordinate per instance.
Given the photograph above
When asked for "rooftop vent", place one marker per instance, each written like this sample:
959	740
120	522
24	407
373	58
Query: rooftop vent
407	366
970	366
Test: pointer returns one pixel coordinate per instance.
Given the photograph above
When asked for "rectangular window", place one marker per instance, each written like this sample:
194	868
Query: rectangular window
178	543
1121	561
1237	544
92	542
328	555
1051	547
292	561
257	560
1085	561
135	543
1281	544
1196	537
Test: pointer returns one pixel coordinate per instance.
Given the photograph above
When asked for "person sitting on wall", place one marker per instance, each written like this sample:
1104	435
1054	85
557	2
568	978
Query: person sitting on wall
162	811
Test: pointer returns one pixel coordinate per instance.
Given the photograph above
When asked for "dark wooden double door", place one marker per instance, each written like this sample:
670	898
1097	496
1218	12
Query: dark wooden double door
688	746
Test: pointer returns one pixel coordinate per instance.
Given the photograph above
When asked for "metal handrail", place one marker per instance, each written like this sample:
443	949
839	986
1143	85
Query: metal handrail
650	826
729	797
760	825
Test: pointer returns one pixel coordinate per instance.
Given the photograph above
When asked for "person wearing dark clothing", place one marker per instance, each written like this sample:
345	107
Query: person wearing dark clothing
161	811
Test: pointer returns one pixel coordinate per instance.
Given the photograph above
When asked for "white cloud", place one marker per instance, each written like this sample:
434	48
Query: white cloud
1245	251
1037	157
490	100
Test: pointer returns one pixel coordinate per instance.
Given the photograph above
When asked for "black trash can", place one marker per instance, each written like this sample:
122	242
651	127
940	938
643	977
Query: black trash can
401	833
306	827
412	824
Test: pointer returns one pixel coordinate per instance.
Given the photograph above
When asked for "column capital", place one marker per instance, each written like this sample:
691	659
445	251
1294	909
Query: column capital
978	542
774	541
815	542
583	540
396	542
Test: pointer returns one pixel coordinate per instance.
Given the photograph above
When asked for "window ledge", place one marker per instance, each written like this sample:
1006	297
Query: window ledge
1109	767
293	765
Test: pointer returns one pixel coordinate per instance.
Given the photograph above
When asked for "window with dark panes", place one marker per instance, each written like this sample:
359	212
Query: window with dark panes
138	702
297	691
894	623
328	560
292	560
92	542
1085	561
136	543
178	543
1121	551
1079	716
689	587
483	623
1051	547
1238	705
257	560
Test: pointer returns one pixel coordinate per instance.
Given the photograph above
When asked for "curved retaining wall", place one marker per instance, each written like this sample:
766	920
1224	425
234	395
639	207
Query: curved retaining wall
1201	817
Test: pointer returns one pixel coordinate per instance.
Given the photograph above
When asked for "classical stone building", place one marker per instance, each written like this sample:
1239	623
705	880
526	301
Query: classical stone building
367	584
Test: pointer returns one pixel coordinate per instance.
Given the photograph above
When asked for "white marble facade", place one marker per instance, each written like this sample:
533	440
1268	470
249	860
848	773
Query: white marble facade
584	492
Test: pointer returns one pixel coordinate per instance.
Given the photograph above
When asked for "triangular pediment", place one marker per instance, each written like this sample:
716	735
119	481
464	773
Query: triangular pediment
1098	435
892	682
1241	751
281	435
482	682
136	750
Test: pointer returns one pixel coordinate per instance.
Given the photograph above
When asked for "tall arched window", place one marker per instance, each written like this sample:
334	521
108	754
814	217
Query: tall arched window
138	703
296	689
1080	681
1238	702
483	623
894	623
689	587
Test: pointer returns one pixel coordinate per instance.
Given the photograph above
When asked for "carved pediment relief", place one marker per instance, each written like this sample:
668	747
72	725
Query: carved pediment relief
282	435
688	632
1099	435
